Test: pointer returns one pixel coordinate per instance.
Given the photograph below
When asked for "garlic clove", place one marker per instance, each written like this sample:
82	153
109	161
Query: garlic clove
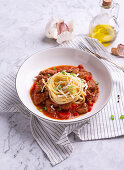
59	30
64	36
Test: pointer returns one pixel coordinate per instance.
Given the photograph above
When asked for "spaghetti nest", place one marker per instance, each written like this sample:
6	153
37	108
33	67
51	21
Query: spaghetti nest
66	87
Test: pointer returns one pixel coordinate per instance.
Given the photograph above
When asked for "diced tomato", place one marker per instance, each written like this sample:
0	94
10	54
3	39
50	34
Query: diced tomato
74	107
87	78
90	103
75	114
89	108
34	85
80	66
58	70
64	115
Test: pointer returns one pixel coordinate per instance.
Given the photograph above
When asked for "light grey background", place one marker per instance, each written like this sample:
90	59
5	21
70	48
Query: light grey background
22	26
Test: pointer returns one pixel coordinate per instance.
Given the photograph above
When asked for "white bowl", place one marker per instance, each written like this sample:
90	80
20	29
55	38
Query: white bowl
63	56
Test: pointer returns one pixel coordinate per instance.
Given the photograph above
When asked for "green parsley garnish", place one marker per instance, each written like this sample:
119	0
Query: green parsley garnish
45	108
112	117
72	74
59	87
96	82
49	75
54	68
70	87
40	109
37	82
122	117
54	88
63	72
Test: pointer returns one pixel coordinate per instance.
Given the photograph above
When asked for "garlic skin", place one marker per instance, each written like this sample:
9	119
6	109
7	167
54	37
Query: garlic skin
59	30
65	36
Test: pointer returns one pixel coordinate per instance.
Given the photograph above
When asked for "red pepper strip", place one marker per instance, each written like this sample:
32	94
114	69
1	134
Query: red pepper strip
75	114
90	108
90	103
64	115
33	87
87	78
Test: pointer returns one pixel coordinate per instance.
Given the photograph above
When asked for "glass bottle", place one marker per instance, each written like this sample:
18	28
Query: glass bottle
104	26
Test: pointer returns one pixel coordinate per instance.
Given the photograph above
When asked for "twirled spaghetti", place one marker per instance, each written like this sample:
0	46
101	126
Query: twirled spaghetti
66	87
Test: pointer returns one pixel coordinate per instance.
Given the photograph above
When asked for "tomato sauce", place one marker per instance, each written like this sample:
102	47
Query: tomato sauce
44	104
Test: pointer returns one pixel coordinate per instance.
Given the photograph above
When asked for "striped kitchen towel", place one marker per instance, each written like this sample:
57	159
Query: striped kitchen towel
53	138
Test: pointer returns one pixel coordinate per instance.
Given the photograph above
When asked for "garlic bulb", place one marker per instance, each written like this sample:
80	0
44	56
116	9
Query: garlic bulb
59	30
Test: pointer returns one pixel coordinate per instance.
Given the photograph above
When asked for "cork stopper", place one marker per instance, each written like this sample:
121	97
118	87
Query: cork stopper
106	3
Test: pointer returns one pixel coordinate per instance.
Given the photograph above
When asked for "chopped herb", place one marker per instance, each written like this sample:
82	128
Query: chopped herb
54	88
49	75
59	87
54	68
72	74
45	108
122	117
37	82
73	91
40	109
97	83
63	72
59	108
112	117
70	87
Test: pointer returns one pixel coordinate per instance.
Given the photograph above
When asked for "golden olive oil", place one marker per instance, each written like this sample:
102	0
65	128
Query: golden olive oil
104	33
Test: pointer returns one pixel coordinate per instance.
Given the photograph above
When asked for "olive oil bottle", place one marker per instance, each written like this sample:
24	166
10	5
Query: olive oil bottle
104	26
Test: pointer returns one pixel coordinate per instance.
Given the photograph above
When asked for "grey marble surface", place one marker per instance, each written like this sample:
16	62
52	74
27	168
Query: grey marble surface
22	26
